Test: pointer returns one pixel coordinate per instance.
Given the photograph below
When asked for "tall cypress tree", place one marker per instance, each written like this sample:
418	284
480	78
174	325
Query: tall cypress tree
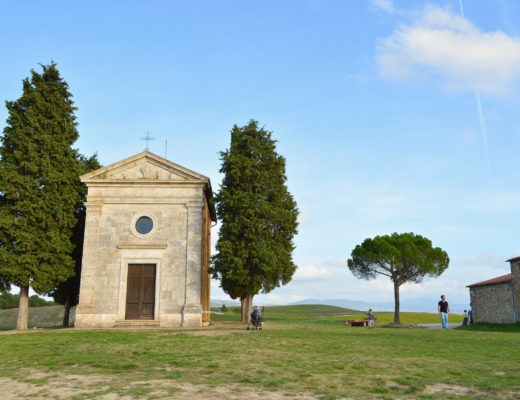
39	187
67	293
258	218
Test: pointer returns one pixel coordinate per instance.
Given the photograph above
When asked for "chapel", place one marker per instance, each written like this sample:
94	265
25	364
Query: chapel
147	245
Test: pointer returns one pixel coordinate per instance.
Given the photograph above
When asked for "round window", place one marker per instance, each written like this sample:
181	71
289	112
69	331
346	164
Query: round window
144	225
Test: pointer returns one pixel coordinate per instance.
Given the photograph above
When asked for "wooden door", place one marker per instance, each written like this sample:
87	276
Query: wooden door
140	292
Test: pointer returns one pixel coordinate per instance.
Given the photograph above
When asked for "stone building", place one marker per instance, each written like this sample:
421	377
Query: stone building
497	300
147	245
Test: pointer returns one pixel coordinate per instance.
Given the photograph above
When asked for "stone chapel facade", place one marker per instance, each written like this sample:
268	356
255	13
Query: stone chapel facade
497	300
147	245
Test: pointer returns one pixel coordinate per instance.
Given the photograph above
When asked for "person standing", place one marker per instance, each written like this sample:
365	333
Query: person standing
444	310
371	318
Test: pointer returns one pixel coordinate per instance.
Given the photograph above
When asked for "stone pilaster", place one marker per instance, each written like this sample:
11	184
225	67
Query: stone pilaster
515	286
192	311
87	296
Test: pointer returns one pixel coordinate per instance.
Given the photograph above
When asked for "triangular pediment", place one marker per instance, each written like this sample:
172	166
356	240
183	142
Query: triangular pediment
144	166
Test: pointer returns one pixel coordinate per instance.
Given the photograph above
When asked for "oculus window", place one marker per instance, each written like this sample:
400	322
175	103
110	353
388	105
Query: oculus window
144	225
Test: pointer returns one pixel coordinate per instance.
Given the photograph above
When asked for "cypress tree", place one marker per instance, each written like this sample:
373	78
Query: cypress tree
67	293
39	187
258	218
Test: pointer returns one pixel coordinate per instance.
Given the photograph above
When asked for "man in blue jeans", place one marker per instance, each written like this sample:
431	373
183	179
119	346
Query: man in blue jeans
444	310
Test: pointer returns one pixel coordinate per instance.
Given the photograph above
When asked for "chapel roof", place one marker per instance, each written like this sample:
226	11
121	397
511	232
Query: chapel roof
119	170
499	279
149	168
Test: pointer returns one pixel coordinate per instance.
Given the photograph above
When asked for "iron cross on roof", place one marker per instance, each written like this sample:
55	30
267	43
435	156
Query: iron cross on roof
147	138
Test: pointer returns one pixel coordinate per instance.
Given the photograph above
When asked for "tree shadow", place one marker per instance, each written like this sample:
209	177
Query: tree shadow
487	327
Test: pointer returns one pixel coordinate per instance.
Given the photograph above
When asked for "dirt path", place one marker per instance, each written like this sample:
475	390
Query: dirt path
57	386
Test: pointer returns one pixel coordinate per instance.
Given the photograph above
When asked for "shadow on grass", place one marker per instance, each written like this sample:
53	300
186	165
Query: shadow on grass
7	328
487	327
399	326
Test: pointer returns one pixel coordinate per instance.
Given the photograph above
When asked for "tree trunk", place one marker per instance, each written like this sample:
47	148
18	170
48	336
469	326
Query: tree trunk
246	303
397	319
243	308
66	313
23	309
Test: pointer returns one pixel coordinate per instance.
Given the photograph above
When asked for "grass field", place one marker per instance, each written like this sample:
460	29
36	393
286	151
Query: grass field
303	352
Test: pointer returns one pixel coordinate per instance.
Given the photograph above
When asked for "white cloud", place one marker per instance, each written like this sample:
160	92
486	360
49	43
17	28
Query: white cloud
337	262
384	5
304	218
442	43
276	298
311	272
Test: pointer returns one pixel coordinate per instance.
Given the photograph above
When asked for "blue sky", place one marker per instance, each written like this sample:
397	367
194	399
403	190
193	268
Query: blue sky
393	116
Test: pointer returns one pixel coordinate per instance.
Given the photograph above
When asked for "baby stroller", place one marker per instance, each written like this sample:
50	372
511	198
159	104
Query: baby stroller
256	320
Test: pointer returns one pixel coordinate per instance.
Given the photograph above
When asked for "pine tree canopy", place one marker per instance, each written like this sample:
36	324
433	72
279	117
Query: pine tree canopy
404	257
258	216
39	184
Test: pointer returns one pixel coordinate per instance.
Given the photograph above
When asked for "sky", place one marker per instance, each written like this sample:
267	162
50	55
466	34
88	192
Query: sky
393	116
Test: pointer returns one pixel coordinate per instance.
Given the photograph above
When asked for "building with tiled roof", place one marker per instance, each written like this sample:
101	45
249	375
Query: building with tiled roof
499	279
497	300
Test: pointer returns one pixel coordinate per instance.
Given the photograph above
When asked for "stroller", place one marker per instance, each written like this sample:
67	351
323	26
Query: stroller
255	322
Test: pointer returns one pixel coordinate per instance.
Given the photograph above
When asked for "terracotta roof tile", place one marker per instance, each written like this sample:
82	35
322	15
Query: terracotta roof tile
498	279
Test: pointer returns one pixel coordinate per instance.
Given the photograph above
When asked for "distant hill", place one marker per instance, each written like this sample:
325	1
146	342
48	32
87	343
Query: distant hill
321	310
418	305
345	303
228	303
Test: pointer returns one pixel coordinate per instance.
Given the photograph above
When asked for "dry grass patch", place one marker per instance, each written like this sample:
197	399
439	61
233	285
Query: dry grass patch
103	387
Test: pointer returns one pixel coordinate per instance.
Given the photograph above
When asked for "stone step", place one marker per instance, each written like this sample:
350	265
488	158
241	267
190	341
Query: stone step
138	324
